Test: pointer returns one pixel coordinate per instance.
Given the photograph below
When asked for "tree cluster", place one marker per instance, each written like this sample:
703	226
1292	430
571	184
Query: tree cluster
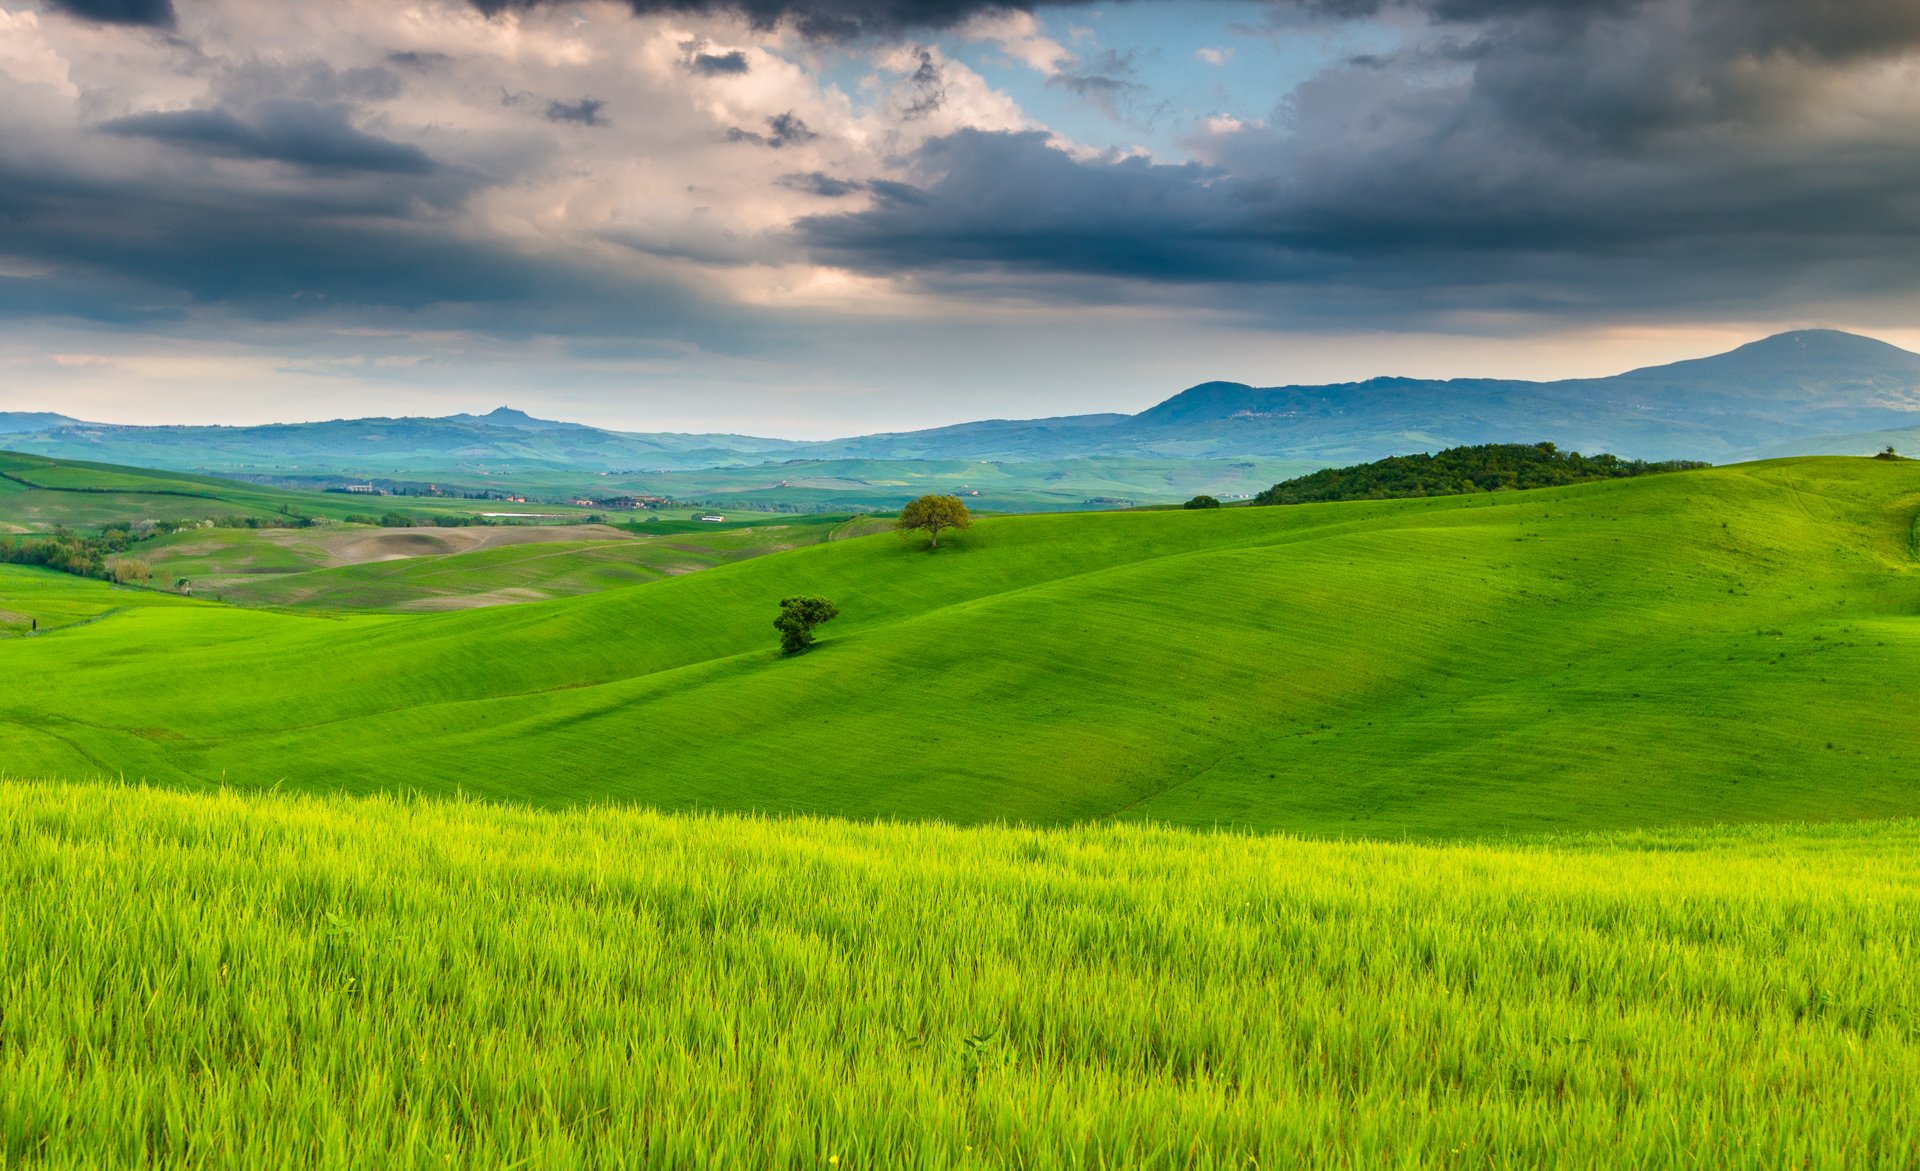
1458	471
83	556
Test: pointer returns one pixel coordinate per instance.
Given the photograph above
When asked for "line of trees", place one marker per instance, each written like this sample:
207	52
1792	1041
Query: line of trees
95	555
106	554
395	519
1458	471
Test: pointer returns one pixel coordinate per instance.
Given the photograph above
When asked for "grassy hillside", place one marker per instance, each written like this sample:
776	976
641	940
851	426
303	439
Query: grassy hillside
38	494
439	569
228	981
47	601
1610	654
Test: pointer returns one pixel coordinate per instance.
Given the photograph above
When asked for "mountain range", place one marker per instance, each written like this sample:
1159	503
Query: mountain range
1787	394
1784	389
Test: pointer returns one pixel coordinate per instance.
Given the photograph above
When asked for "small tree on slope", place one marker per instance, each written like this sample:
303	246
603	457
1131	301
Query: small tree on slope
933	513
798	617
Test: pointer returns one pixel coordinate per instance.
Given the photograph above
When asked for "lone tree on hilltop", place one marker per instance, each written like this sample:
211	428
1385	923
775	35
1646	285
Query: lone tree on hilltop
933	513
1201	502
798	617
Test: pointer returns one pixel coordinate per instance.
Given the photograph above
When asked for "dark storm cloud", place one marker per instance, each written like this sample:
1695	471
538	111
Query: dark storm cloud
585	111
422	62
719	64
820	183
824	19
928	86
782	130
287	130
1578	158
1583	159
1010	199
1461	225
695	57
152	13
347	248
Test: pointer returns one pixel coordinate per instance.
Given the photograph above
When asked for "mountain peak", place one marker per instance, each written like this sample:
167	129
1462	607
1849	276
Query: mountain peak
1825	344
1787	360
504	416
1208	400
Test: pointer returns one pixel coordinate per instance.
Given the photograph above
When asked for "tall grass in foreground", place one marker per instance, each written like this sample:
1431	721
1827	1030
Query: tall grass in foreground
222	981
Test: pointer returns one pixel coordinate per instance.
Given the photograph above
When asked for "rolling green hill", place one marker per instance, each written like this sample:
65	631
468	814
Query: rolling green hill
38	494
439	569
278	547
1710	646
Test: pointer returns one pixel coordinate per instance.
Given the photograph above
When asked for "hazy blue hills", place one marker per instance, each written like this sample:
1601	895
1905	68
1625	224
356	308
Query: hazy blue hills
1786	393
519	420
17	422
505	440
1771	391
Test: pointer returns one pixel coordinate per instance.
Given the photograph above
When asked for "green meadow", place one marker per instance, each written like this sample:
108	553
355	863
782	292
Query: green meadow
269	980
1564	828
357	568
38	494
1606	655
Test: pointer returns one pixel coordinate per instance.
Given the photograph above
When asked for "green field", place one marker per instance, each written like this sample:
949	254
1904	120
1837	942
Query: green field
1661	905
1607	655
38	494
272	981
53	600
403	569
528	553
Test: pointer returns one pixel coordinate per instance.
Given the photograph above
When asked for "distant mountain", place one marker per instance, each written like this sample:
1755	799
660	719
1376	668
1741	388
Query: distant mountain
415	448
20	422
1012	440
520	420
1769	395
1781	388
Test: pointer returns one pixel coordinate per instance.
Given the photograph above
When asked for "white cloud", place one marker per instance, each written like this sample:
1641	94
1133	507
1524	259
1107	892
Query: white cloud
676	179
25	55
1020	36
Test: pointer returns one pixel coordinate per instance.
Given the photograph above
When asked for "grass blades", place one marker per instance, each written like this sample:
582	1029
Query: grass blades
257	981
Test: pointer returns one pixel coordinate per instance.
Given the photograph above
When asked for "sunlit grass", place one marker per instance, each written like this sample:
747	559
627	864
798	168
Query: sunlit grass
264	981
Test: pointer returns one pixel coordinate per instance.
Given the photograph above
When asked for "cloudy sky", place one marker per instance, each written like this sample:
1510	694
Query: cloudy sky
819	217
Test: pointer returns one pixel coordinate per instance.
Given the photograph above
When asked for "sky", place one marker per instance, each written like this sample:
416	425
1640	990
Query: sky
812	218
